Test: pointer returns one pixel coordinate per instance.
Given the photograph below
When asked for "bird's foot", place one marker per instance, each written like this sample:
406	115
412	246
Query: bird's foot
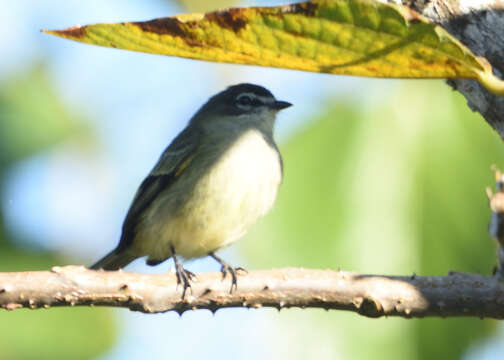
227	268
184	277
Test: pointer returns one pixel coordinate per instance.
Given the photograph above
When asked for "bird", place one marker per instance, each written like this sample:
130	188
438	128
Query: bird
210	185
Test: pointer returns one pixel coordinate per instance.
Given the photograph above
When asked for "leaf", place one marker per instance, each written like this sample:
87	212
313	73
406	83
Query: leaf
348	37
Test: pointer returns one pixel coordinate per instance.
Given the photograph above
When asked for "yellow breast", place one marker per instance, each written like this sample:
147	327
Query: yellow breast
240	187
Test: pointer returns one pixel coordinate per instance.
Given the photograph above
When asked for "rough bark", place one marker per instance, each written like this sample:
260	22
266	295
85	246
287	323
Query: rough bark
478	24
370	295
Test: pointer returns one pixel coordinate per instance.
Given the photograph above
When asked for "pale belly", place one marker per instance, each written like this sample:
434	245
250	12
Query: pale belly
241	188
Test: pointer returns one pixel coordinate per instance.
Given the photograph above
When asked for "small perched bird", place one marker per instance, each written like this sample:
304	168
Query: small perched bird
216	178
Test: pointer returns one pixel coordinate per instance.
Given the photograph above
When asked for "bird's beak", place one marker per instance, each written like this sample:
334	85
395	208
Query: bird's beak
279	105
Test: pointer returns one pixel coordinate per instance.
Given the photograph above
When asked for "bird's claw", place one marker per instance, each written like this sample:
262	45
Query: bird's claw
184	278
227	268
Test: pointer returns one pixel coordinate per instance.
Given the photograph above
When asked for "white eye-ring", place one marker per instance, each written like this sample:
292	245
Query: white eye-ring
244	100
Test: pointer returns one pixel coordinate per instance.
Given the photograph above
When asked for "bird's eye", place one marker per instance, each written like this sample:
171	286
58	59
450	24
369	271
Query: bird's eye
244	100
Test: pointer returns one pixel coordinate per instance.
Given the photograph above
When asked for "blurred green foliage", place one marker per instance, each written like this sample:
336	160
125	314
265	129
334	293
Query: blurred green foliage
393	185
33	118
62	333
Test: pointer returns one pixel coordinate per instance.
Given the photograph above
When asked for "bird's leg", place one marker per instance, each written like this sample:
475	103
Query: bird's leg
184	276
225	268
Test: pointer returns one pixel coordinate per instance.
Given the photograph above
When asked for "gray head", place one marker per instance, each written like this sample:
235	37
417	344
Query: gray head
241	104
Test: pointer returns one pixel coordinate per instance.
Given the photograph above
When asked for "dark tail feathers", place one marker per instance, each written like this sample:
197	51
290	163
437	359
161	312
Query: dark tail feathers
115	260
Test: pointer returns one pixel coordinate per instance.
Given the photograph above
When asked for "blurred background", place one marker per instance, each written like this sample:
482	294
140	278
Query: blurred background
381	176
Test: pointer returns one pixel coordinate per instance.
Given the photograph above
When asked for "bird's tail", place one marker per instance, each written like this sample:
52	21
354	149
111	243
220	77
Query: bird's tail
115	260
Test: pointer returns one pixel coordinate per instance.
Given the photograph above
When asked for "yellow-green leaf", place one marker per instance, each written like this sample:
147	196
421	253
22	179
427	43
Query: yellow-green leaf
349	37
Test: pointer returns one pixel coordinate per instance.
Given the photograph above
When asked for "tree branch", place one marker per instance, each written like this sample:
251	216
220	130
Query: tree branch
480	26
370	295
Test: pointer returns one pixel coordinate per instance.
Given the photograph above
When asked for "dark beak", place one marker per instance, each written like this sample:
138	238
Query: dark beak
280	105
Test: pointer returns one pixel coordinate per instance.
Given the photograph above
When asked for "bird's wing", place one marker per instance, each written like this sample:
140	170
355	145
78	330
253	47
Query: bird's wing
170	165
